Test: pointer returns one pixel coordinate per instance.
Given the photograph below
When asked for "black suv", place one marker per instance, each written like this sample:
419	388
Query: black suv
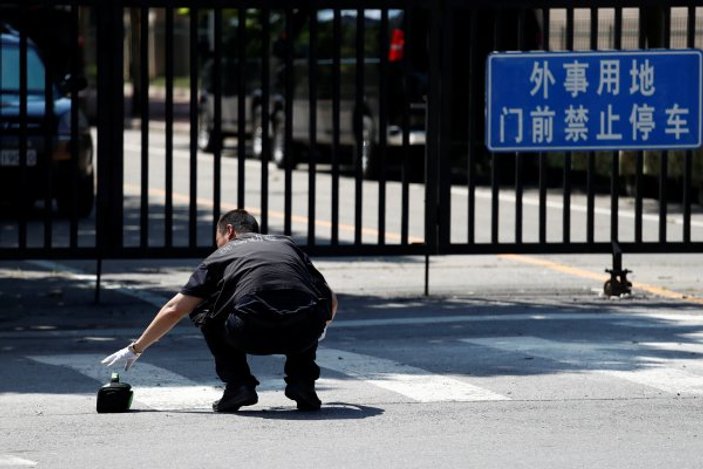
50	159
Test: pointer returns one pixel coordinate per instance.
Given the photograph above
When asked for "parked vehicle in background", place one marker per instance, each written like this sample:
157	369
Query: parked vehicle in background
250	75
405	68
53	159
359	127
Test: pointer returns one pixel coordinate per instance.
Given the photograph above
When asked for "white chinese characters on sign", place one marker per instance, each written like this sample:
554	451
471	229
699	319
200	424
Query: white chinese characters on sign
575	81
576	120
675	123
505	114
642	78
609	77
642	120
542	125
580	99
542	78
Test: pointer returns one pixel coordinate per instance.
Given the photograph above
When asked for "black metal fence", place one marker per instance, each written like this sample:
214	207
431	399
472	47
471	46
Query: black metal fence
356	127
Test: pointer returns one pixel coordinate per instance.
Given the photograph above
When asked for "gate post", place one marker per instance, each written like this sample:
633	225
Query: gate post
110	126
109	158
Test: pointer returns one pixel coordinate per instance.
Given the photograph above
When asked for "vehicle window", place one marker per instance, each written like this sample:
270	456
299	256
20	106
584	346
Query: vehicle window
348	35
10	76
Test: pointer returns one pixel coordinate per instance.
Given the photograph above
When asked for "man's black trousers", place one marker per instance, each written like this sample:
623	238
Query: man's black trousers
238	335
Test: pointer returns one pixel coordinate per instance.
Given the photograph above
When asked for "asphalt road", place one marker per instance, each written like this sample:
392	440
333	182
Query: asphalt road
511	362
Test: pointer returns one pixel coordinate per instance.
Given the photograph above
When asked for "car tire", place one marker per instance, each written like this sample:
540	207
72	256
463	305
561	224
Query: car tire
257	134
206	138
278	146
369	156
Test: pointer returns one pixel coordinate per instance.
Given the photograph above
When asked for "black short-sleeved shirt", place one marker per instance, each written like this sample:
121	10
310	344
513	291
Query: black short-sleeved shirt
253	265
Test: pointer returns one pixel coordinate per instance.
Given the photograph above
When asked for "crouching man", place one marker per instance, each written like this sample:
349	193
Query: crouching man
256	294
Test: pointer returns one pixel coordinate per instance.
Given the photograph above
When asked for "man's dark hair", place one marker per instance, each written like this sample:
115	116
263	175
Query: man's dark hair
241	220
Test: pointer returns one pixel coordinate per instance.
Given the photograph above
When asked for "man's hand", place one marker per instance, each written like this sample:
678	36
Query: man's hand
126	354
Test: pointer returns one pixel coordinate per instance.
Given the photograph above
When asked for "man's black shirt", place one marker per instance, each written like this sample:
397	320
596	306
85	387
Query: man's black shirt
255	268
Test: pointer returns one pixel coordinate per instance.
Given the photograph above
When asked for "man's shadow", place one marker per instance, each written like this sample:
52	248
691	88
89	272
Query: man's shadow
329	411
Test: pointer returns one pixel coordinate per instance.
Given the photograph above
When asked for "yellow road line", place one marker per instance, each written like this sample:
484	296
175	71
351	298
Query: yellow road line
551	265
203	202
582	273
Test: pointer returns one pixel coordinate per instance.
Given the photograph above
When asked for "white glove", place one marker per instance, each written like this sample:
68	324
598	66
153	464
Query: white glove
127	354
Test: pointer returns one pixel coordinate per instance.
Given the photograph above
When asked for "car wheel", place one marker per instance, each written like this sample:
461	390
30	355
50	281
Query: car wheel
85	197
369	158
206	139
278	146
257	137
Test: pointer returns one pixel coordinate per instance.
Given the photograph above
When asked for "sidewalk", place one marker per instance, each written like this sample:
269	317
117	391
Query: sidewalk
62	295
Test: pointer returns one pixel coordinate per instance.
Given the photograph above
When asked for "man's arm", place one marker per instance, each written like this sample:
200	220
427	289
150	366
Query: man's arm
169	315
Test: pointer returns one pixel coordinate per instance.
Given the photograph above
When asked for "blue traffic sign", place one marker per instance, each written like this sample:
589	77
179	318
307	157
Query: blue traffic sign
614	100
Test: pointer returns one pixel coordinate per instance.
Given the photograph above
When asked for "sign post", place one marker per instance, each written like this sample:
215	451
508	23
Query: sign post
605	100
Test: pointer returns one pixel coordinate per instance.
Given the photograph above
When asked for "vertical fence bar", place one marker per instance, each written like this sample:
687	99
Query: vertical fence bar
433	142
639	155
542	156
688	162
591	171
383	46
312	128
23	189
144	120
495	187
47	126
615	166
664	161
359	124
288	124
438	181
472	152
265	15
336	84
109	209
74	146
217	115
405	168
566	201
193	184
519	156
168	163
241	106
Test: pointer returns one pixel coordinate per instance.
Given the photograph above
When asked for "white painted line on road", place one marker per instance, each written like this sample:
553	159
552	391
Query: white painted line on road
556	205
7	460
153	386
637	363
417	384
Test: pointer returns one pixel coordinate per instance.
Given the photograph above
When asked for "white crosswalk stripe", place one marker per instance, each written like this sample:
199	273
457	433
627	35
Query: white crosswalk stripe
415	383
14	461
640	363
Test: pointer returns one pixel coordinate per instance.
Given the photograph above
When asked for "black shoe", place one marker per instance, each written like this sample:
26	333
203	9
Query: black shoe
304	395
235	397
